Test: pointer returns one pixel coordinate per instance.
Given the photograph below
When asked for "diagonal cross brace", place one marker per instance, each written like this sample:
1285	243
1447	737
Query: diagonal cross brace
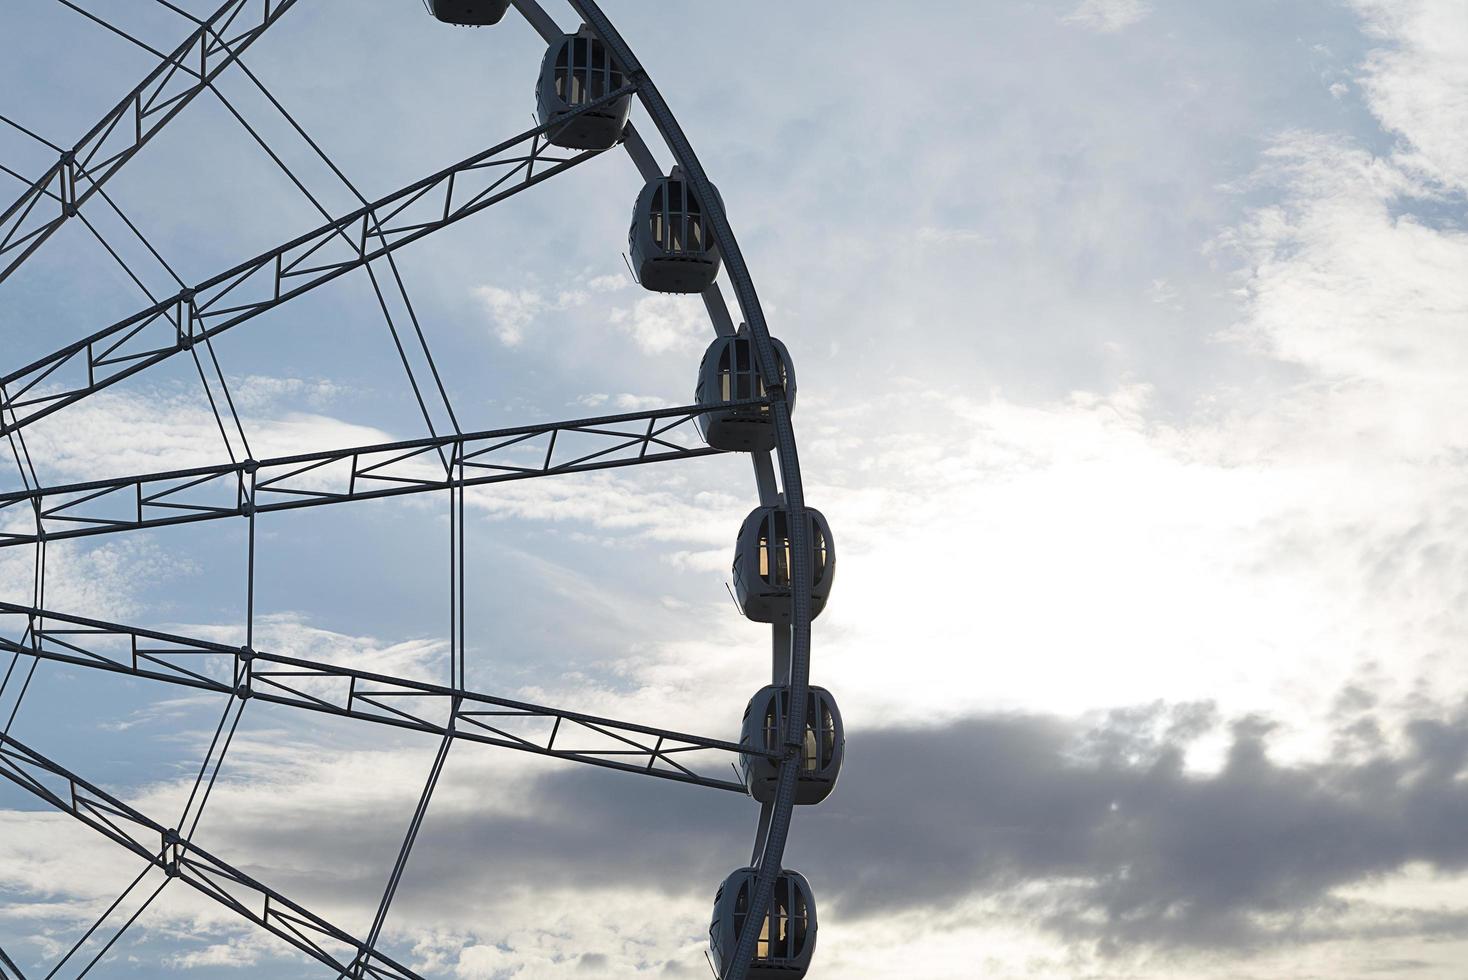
356	473
379	698
178	858
264	282
122	132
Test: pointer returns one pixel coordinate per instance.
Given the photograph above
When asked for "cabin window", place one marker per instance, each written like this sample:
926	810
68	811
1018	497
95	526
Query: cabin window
774	551
677	219
818	747
584	73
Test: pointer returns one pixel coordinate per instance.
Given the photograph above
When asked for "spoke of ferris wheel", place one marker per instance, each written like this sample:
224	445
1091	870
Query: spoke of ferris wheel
214	402
367	696
6	963
279	275
335	476
178	858
122	132
113	28
230	705
372	275
409	839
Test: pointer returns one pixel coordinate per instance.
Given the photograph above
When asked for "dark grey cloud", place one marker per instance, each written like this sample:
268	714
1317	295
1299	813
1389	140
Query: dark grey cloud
1097	832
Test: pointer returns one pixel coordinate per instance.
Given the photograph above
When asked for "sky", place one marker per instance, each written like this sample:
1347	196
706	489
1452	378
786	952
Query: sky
1129	336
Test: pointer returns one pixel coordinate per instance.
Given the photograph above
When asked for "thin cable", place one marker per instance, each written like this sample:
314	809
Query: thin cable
121	33
26	180
392	262
100	920
11	964
228	741
204	765
403	357
35	136
21	696
416	824
140	236
179	10
228	398
423	341
250	576
209	393
123	928
376	288
463	613
120	261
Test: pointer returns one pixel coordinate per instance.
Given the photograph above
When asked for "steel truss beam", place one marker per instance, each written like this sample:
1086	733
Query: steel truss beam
358	473
121	133
350	693
222	301
166	850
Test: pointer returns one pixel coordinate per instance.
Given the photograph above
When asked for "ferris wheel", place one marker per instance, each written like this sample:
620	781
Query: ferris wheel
680	241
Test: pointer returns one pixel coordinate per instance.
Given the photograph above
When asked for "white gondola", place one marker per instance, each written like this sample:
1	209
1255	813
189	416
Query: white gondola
469	13
728	373
787	938
822	748
672	246
763	566
576	70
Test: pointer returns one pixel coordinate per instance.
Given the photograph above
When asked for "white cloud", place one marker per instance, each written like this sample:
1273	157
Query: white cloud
264	392
664	323
1417	82
510	310
1108	15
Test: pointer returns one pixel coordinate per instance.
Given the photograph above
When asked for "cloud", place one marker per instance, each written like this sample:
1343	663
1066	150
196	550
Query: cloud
1108	16
1416	83
1100	832
512	310
664	323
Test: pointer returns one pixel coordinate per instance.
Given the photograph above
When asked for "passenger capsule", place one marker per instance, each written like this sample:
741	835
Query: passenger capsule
763	567
823	746
672	248
729	372
787	937
471	13
576	70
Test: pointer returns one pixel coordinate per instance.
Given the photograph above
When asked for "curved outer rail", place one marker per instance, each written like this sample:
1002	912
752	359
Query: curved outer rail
775	822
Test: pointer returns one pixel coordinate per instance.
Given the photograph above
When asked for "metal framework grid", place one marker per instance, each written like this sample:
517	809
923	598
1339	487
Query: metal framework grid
244	488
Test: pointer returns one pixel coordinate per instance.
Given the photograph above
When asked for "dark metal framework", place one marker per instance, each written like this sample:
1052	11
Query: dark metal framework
245	488
249	487
178	858
81	171
207	309
366	696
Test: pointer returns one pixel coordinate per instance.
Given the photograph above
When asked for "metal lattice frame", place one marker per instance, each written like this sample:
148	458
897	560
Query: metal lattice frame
81	171
244	488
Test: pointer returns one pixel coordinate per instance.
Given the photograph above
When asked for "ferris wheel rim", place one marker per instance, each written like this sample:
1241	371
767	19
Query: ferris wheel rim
775	829
775	821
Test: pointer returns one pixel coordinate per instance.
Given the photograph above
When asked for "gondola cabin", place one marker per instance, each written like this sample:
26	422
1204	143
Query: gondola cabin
672	247
787	937
729	372
469	13
763	565
578	70
822	747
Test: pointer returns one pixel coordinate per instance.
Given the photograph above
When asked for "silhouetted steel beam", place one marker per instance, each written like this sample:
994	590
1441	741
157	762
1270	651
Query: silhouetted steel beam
8	968
178	858
367	696
338	476
120	134
220	302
